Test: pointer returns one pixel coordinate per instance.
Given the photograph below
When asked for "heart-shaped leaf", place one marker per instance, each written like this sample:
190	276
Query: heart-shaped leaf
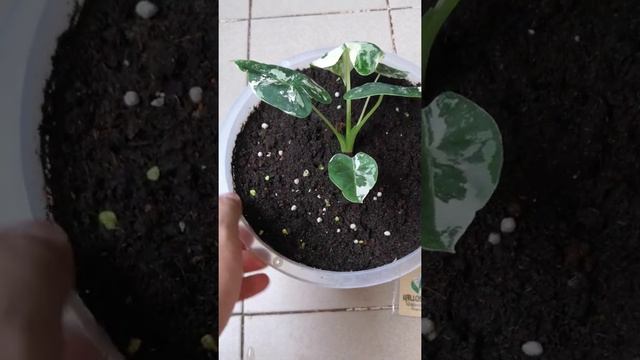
364	57
461	165
372	89
285	89
355	176
388	71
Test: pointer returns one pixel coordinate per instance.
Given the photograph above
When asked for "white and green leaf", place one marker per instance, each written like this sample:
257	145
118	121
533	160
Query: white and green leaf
461	164
373	89
364	57
286	89
354	176
390	72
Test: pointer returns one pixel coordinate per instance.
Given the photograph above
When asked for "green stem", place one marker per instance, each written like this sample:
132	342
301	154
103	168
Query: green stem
346	67
366	118
333	129
431	23
366	103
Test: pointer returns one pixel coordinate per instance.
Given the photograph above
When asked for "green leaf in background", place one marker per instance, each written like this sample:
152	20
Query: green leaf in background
432	21
461	165
355	176
364	58
372	89
388	71
285	89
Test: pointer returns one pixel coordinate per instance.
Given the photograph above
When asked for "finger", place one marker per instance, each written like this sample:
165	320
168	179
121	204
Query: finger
229	256
246	237
77	346
250	262
253	285
35	280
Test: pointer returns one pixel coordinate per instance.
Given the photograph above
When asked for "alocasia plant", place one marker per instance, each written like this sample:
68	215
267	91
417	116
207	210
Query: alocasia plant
461	154
294	93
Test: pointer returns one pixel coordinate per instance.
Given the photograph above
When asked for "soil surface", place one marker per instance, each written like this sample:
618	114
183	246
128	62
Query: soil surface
562	80
154	278
391	136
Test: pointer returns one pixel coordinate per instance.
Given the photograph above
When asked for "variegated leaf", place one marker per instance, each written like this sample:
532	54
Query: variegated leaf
364	57
355	176
388	71
373	89
285	89
461	165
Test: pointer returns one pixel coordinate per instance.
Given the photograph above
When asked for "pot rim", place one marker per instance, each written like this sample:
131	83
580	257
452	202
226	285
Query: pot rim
229	129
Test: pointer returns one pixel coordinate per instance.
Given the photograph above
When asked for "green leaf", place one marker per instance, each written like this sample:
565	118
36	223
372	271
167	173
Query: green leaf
388	71
416	285
461	165
372	89
363	56
355	176
153	174
108	219
285	89
432	21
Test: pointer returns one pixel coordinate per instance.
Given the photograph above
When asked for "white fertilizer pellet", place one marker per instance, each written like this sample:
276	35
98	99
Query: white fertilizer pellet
494	238
131	98
146	9
532	348
264	125
195	94
508	225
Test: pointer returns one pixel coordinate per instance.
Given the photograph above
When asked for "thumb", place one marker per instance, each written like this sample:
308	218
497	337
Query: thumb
35	280
229	212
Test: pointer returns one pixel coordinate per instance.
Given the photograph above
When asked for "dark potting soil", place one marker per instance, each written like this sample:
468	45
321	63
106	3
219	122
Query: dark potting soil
154	278
562	79
391	136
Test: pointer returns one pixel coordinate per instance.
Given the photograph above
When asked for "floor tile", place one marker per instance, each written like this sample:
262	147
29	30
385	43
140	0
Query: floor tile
234	9
237	309
288	294
229	344
371	335
404	3
270	8
233	45
406	29
273	40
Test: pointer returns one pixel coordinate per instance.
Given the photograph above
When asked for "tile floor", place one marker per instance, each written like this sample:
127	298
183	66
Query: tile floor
292	319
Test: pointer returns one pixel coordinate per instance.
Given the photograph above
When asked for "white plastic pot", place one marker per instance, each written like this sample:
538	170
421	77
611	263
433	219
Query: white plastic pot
29	30
229	131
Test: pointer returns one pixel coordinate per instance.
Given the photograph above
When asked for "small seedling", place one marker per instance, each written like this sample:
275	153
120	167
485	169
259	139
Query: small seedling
153	174
108	219
295	94
134	346
209	343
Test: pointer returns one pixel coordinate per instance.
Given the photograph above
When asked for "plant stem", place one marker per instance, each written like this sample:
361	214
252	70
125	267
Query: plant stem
366	103
346	67
366	118
333	129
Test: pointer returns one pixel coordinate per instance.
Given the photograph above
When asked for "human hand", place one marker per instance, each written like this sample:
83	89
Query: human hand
36	268
234	261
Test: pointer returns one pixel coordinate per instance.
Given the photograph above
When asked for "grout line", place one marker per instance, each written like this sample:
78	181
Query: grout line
232	20
393	37
242	336
294	312
249	30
